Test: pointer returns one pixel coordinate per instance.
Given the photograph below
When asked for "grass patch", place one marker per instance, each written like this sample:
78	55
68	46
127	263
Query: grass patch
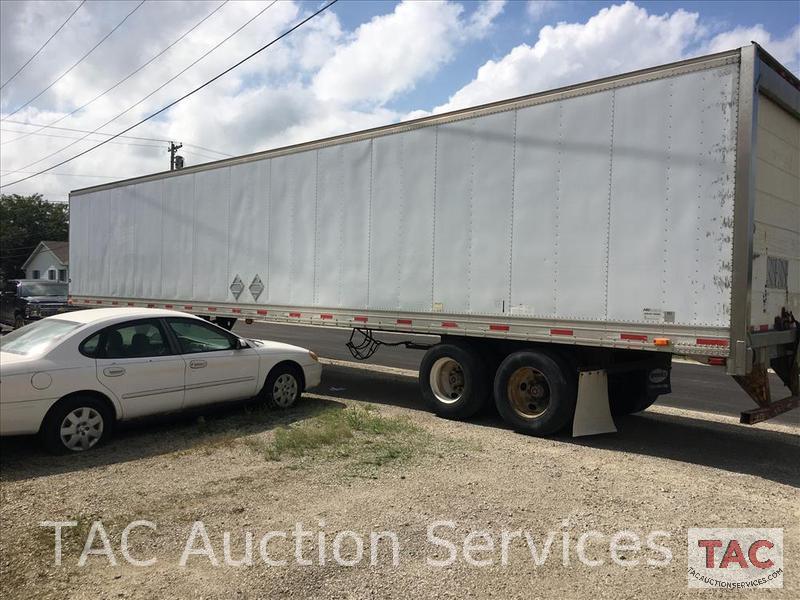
361	435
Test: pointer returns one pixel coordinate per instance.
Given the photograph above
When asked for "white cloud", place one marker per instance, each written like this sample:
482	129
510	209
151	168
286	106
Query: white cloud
389	54
786	50
482	19
537	9
616	39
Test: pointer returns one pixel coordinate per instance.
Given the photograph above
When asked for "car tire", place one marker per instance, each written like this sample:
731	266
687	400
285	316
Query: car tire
454	381
283	387
91	419
535	392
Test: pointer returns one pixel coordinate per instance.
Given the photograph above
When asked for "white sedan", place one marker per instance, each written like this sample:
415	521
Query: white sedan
71	377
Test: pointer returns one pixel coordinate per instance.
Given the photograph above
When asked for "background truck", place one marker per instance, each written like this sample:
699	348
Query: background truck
564	245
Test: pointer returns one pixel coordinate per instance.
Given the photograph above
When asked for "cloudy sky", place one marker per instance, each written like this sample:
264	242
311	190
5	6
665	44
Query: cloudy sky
358	65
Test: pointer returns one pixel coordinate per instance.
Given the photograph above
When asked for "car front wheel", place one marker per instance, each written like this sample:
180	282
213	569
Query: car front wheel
76	425
283	386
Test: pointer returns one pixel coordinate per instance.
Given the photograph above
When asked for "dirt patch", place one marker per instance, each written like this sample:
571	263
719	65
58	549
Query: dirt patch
336	464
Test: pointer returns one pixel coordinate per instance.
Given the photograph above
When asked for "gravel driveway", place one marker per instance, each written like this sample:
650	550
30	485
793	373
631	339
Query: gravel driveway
664	472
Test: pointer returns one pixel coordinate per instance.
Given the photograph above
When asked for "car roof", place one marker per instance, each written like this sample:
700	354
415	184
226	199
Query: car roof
122	313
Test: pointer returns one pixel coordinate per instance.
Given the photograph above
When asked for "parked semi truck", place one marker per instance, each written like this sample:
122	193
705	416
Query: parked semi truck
563	245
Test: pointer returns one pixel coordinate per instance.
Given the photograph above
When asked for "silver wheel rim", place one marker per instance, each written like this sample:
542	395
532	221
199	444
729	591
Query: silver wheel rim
447	380
284	390
81	429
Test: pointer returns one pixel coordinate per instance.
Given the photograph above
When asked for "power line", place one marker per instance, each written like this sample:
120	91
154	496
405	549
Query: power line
80	60
35	54
207	149
171	79
69	137
124	79
194	91
130	137
74	175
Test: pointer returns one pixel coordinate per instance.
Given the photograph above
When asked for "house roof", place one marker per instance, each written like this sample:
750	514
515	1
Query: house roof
59	249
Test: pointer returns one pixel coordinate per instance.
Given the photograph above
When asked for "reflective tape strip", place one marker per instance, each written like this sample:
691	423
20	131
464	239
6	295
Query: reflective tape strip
633	337
404	321
561	332
499	327
449	324
711	342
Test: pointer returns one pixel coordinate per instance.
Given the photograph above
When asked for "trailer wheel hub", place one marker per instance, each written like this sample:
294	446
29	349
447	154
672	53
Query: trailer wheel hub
529	392
447	380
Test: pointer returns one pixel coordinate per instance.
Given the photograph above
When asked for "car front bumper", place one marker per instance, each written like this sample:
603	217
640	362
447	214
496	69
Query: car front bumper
312	373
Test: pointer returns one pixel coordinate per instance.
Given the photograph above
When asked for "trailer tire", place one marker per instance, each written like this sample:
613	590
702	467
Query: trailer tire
454	381
535	392
627	394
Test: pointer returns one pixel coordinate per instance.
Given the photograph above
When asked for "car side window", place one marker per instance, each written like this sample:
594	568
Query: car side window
90	345
134	339
196	336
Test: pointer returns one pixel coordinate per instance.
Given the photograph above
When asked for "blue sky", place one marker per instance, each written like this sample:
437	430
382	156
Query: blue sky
360	64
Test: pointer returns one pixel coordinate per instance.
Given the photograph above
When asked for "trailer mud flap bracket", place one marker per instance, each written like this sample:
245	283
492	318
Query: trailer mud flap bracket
592	410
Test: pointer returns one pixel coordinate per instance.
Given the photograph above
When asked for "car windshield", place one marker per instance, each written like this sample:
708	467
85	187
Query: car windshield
37	337
42	289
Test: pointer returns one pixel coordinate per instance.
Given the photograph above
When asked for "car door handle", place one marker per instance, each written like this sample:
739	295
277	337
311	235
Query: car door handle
197	364
113	371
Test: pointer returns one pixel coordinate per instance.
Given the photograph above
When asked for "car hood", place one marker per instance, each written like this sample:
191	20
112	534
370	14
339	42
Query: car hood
45	299
270	347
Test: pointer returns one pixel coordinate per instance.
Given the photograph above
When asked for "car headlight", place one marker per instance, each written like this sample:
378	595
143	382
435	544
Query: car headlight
313	356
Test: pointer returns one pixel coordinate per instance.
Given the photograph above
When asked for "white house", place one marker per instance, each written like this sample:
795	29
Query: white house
50	260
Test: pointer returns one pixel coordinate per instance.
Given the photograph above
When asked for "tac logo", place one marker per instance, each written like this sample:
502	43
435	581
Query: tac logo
735	558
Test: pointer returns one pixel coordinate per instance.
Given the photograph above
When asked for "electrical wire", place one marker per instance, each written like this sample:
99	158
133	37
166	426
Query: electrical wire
123	80
80	60
171	79
130	137
69	137
35	54
76	175
194	91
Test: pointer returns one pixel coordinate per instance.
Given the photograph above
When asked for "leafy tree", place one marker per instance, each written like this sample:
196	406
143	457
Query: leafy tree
24	222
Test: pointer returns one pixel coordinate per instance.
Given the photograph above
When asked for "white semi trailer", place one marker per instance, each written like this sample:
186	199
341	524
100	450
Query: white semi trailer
564	245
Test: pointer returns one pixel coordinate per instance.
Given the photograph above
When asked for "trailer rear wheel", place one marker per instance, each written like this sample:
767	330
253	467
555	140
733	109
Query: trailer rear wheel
535	392
454	381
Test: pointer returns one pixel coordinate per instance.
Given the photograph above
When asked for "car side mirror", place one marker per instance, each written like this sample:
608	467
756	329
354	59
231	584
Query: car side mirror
241	344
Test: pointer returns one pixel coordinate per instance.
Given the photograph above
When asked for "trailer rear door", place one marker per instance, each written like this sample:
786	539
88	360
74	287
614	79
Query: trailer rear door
776	243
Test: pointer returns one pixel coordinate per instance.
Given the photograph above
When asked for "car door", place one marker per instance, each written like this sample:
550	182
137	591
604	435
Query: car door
217	369
137	363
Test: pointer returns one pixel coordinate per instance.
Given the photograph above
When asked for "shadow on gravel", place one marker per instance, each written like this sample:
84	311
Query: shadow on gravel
739	449
23	458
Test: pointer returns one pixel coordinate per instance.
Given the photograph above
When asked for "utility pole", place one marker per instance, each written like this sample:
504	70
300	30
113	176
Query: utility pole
175	162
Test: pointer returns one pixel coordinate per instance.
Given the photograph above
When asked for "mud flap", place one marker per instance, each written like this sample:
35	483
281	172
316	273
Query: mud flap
592	410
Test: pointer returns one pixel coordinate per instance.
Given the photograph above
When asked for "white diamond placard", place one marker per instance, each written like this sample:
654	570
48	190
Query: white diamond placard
256	287
237	287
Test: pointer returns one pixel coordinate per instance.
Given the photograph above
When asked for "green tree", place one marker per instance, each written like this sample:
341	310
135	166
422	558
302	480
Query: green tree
24	222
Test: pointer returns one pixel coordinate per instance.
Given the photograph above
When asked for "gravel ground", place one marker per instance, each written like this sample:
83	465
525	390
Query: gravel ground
665	470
